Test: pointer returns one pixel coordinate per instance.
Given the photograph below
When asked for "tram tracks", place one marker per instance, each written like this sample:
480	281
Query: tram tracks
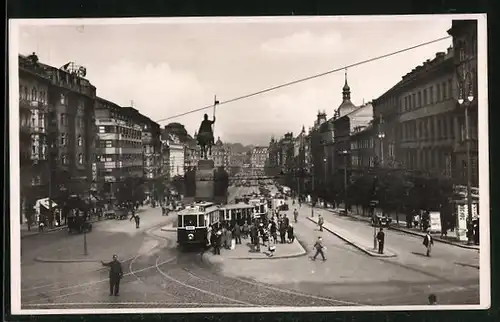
179	278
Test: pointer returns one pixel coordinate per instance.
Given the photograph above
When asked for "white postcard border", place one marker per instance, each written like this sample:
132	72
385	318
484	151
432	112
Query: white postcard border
485	268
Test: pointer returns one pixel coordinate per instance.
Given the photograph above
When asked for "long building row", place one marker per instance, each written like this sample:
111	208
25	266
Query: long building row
73	142
418	124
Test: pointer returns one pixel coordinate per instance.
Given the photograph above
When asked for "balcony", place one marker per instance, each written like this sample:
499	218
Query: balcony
461	146
38	130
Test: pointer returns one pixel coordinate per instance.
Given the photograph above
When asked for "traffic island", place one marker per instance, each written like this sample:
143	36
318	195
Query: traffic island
169	228
363	244
245	251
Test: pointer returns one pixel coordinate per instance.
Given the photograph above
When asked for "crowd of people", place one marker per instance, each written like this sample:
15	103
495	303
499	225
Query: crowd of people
267	232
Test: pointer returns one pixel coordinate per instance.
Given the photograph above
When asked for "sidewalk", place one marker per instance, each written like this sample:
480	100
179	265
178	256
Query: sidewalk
111	237
412	231
244	252
359	241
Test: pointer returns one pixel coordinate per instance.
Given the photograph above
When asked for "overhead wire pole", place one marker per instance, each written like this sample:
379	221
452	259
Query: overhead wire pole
308	78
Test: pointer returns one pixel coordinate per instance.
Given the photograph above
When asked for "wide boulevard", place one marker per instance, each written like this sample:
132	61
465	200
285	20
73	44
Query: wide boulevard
55	274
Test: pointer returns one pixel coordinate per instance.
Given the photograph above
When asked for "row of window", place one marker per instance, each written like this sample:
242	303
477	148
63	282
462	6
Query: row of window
127	132
428	159
363	161
64	139
64	120
119	144
362	144
34	95
118	157
65	158
433	94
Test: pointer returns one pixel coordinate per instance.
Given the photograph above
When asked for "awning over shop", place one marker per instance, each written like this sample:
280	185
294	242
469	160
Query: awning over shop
44	203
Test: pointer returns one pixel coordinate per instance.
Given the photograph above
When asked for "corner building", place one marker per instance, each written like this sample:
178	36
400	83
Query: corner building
57	130
119	147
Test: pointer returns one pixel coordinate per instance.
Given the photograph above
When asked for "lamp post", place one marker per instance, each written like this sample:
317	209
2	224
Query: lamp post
345	153
381	137
466	105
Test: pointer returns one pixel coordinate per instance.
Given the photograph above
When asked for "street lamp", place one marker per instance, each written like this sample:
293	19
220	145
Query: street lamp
381	137
466	105
345	153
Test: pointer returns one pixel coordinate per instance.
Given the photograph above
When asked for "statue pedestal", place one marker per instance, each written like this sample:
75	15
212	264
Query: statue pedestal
204	181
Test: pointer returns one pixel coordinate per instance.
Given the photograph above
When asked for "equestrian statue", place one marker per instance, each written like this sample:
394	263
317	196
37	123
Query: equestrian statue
206	135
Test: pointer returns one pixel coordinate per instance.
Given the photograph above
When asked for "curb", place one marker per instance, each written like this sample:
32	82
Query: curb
82	260
54	230
302	253
410	232
435	239
364	250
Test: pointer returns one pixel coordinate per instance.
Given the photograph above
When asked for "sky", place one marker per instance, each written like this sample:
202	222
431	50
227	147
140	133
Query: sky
170	67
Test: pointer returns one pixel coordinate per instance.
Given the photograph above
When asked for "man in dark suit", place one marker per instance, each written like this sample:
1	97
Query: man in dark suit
381	240
115	275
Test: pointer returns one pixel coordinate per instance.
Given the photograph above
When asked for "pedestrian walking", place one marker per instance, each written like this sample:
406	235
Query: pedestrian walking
428	242
41	226
286	221
115	275
321	222
290	235
237	233
282	233
218	242
295	215
137	221
381	240
318	245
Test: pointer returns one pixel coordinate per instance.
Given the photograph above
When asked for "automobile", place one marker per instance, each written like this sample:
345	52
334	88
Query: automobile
381	220
78	224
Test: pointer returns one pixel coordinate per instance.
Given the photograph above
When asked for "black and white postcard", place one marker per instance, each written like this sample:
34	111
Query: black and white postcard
249	164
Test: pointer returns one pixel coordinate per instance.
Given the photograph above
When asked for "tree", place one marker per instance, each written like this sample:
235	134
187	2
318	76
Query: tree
130	190
179	184
178	129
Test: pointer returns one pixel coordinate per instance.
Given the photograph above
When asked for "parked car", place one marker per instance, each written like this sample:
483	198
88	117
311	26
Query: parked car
381	220
78	224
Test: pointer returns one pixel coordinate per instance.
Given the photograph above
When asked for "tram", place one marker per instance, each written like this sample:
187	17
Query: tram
195	222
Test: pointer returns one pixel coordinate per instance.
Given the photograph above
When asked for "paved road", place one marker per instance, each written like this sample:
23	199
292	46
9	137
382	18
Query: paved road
161	276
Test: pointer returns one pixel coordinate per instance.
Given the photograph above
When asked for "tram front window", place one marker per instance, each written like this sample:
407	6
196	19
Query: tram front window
190	220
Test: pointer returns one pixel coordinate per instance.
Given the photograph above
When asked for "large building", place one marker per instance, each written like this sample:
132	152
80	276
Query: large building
464	33
192	153
219	154
56	107
259	156
425	134
151	148
362	141
176	157
119	146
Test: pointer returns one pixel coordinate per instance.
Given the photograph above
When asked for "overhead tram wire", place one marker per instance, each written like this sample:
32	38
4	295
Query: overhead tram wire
307	78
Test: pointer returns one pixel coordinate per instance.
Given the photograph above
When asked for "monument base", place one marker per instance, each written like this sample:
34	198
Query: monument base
206	164
205	181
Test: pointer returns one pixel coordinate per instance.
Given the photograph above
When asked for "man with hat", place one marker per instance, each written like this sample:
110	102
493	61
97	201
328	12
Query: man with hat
115	275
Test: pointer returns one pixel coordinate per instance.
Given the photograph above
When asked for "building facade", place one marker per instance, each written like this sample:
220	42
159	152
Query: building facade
426	133
57	128
259	156
219	154
464	33
119	145
151	148
362	141
176	158
192	154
